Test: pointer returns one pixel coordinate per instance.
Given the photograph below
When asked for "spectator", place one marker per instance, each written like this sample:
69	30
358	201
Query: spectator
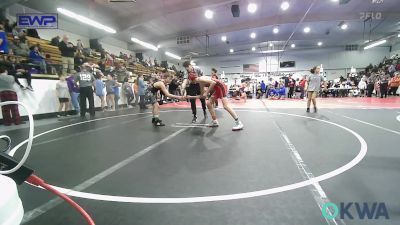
136	90
32	33
3	41
384	85
37	58
263	88
110	83
67	52
78	60
63	96
362	85
302	85
79	45
55	41
99	88
16	69
116	92
128	92
22	36
142	91
19	48
7	93
292	84
7	27
73	91
86	80
394	84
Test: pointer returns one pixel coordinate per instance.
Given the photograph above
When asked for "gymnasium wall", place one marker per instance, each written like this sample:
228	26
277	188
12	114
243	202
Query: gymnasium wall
335	61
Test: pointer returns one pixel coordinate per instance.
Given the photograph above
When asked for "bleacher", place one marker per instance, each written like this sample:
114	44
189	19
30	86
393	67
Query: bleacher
55	57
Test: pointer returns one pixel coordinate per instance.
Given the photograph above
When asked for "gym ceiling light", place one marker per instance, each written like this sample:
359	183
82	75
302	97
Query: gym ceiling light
144	44
375	44
285	5
252	7
86	20
209	14
172	55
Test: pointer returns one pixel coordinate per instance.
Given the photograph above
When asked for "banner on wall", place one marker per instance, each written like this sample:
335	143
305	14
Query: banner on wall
37	21
250	68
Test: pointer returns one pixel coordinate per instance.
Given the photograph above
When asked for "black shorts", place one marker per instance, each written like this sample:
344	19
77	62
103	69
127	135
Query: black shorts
193	90
63	100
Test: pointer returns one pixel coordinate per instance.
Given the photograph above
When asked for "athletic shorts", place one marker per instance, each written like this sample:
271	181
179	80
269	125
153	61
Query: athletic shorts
152	98
312	94
219	91
63	100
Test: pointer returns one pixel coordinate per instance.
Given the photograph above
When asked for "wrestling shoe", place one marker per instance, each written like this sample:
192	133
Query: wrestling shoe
238	126
308	110
315	109
213	123
158	123
194	120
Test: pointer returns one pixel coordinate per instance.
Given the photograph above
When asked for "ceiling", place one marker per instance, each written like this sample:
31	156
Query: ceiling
161	21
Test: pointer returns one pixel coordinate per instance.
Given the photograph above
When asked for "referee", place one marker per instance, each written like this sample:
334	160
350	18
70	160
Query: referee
86	80
193	89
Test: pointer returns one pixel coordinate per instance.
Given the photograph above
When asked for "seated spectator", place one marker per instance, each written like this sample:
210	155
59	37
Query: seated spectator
37	58
16	69
22	36
3	41
55	41
7	27
19	48
7	93
32	33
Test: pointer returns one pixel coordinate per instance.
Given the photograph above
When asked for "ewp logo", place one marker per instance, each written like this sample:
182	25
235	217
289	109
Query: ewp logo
363	210
37	21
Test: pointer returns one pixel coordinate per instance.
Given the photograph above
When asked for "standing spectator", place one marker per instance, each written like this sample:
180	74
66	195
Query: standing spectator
142	91
63	96
394	84
79	45
37	58
136	91
370	86
86	80
362	85
384	85
73	92
128	92
99	87
263	88
67	50
55	41
19	48
302	85
286	85
78	60
3	41
116	92
110	83
7	93
292	84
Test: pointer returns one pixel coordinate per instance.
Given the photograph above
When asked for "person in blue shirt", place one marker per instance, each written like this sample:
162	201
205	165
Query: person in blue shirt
37	58
263	87
3	41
